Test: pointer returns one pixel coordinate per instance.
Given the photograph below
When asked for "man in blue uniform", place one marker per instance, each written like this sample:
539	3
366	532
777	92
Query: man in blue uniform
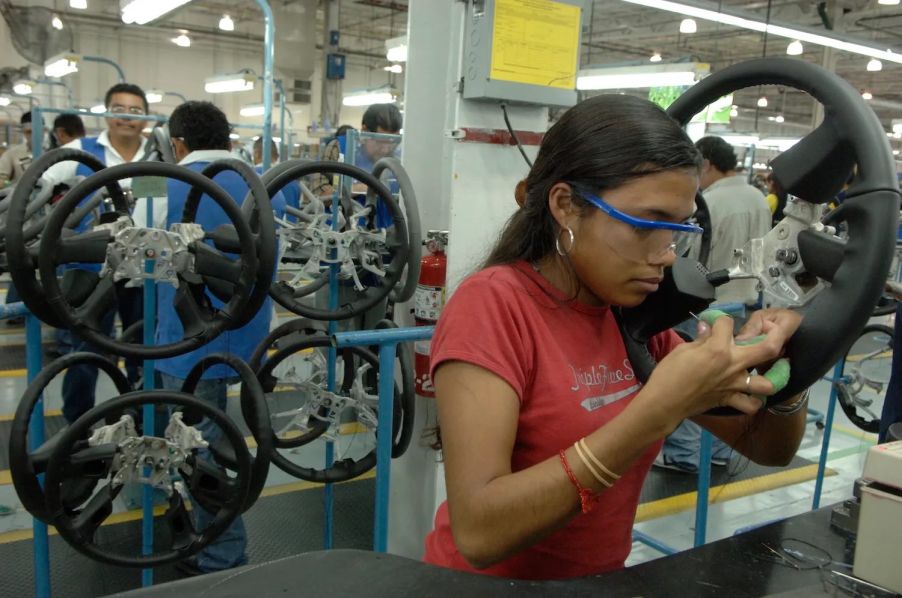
200	135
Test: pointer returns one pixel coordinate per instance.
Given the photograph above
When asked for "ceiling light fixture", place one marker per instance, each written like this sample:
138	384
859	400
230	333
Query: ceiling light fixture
5	101
252	110
396	49
888	2
745	21
98	109
226	23
79	4
637	77
141	12
734	112
779	118
182	41
154	96
57	23
874	65
867	95
795	48
61	65
229	83
394	68
656	57
23	87
762	102
688	26
368	97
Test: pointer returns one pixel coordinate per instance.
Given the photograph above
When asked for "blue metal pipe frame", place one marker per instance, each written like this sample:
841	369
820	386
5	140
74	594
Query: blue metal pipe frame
268	60
113	64
150	325
828	428
652	542
33	357
388	340
704	485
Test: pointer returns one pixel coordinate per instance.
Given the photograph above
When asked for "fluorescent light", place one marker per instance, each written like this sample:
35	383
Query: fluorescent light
154	96
141	12
80	4
229	83
396	49
395	68
5	101
738	19
779	143
252	110
57	23
226	23
734	112
98	109
795	48
656	57
688	26
61	65
234	136
897	125
23	87
182	41
762	102
874	65
632	77
867	95
739	139
888	2
779	118
366	98
895	152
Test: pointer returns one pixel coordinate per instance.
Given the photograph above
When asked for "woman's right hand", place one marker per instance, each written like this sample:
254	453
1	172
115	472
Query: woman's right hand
712	372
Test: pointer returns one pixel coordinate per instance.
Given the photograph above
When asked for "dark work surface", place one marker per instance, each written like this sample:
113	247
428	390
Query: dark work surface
278	526
728	567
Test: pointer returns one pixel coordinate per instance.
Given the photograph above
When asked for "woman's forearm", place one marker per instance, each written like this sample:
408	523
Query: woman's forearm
516	510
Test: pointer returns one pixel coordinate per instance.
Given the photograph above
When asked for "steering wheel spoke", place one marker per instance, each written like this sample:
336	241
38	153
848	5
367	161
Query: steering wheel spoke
88	247
98	304
86	522
210	262
181	527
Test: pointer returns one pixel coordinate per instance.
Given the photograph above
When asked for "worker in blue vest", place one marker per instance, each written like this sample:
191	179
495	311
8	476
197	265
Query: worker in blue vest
200	135
121	142
291	192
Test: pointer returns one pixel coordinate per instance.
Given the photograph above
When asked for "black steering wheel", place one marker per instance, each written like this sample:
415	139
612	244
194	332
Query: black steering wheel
25	465
356	244
814	170
22	264
392	166
257	209
201	322
224	495
255	413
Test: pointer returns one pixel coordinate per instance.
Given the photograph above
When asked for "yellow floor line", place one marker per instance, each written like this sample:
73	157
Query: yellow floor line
135	515
729	491
856	433
5	477
8	417
13	373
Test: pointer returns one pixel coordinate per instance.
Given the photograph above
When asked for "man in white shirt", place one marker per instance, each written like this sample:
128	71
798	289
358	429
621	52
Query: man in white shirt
16	159
121	142
739	213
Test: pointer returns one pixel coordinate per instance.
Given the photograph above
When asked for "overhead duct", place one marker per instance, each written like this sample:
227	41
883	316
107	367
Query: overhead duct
32	33
295	50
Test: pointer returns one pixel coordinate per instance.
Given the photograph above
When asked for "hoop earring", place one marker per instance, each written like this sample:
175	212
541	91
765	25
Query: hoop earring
557	242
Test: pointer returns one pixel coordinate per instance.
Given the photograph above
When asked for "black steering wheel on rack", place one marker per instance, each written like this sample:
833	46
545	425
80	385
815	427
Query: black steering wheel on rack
827	275
121	441
257	209
323	410
21	262
25	465
256	415
356	247
181	256
392	167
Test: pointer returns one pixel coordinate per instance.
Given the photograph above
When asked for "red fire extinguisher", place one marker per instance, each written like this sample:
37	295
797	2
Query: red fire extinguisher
429	299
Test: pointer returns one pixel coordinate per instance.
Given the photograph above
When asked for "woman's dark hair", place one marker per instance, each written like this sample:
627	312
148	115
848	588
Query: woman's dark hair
201	125
599	144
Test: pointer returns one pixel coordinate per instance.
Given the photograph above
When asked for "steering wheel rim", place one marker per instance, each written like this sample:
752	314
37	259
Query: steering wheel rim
850	133
257	209
396	241
401	440
191	542
254	410
20	263
201	322
343	469
414	228
22	468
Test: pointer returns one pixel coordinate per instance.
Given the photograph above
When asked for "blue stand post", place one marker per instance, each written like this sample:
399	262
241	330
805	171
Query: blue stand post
150	312
704	484
387	353
332	358
653	543
828	428
36	438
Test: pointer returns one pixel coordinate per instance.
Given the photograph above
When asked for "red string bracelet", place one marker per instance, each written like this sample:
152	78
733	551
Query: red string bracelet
587	499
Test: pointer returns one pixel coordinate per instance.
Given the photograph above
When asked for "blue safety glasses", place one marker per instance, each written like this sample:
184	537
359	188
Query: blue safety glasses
637	222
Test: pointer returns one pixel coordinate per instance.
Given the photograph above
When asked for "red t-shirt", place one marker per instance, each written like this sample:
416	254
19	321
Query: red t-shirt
567	363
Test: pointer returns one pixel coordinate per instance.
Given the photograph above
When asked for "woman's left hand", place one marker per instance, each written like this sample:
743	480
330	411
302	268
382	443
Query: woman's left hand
764	320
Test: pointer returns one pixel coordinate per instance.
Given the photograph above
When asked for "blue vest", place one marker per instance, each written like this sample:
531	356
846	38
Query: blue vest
241	342
90	145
